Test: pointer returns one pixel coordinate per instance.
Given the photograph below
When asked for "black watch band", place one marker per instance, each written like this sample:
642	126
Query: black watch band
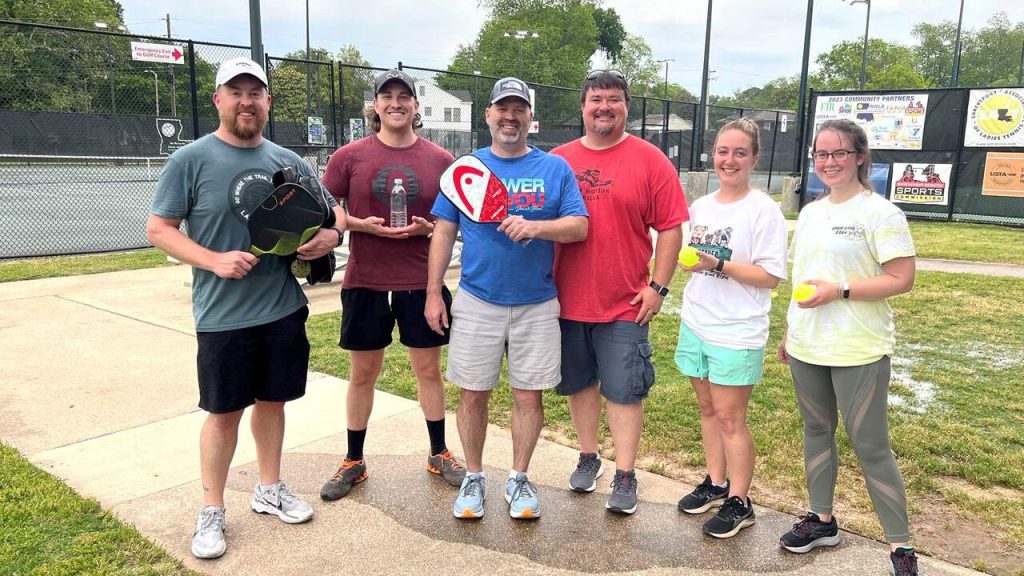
341	235
720	265
661	290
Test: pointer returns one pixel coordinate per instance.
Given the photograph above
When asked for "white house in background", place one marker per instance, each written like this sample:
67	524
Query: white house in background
447	115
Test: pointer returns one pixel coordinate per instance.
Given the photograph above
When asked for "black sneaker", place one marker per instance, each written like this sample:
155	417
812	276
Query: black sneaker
623	498
703	497
809	533
732	517
903	562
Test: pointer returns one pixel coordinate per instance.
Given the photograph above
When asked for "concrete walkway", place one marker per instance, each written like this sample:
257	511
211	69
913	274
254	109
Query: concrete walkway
98	388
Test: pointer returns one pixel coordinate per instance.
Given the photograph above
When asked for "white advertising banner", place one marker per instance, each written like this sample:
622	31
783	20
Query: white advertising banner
995	118
891	121
921	184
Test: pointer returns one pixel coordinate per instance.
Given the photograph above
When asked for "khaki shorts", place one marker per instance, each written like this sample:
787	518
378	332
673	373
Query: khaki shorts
482	333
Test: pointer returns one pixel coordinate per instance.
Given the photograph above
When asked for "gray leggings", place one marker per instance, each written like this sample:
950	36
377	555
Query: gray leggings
861	394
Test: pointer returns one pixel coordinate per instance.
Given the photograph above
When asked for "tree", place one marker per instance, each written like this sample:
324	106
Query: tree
58	70
991	56
934	51
889	66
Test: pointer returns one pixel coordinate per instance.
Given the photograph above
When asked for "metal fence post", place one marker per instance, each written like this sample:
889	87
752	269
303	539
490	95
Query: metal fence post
334	110
193	88
643	117
771	158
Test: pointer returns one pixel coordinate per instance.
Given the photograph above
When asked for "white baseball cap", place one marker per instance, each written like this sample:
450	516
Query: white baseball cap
238	66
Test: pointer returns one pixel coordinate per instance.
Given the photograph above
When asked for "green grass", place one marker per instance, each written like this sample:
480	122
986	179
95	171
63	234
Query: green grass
34	268
962	241
46	528
958	337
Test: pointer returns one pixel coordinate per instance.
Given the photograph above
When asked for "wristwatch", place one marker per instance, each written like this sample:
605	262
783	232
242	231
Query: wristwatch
720	265
341	235
661	290
846	290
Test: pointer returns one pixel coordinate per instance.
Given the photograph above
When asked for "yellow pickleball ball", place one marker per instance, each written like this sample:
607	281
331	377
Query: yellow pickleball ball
300	268
802	292
688	256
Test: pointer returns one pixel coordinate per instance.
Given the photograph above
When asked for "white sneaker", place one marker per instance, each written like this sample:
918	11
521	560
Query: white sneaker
280	501
208	540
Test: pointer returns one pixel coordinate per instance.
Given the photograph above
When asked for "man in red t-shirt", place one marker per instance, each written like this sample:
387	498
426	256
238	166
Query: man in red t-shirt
605	288
386	276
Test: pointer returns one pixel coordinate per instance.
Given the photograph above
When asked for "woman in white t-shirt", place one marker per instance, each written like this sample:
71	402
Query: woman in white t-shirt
740	237
854	248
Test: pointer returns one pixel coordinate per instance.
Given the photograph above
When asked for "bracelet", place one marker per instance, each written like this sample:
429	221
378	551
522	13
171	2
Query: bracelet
341	236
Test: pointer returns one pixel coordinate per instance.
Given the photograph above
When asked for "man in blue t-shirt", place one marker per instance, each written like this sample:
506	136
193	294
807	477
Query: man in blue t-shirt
506	302
250	312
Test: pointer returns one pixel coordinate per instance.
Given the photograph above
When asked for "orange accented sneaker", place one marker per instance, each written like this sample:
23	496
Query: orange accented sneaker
350	473
446	465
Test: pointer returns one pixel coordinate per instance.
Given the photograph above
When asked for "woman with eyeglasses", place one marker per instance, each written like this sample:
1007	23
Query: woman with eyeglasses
739	234
854	248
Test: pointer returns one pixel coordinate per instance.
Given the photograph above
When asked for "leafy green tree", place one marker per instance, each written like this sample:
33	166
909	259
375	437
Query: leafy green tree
991	56
57	70
889	65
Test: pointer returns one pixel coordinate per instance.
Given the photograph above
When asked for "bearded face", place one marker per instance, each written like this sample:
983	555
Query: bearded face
243	105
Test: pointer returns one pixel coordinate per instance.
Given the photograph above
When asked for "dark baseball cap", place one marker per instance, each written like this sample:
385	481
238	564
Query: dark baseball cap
395	75
510	87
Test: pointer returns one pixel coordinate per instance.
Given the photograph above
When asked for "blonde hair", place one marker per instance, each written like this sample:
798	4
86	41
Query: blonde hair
748	127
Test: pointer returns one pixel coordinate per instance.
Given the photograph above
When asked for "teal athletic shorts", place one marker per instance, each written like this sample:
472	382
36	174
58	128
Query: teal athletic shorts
717	364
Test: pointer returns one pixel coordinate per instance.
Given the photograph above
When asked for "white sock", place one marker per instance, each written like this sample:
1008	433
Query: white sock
722	485
266	488
512	474
477	474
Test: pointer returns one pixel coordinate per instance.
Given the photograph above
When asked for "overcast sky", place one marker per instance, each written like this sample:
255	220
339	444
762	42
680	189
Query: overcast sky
752	41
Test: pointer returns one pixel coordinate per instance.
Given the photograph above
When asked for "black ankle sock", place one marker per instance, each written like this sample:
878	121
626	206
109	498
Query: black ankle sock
435	429
355	444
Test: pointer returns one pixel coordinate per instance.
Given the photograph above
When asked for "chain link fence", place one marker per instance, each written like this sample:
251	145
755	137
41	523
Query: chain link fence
85	127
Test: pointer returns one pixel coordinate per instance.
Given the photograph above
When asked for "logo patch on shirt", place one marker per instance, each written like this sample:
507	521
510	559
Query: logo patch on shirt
385	181
592	186
247	190
854	232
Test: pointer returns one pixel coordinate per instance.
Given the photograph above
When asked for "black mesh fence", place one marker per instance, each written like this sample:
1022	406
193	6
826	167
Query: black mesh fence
921	159
86	124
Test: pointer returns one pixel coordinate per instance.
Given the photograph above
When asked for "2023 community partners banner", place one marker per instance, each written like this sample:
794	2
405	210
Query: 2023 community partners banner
891	121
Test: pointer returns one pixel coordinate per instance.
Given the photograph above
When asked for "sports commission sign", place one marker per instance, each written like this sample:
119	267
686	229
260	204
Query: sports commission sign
921	184
891	121
995	118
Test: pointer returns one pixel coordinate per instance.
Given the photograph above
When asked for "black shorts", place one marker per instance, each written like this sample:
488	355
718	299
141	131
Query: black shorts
266	362
368	319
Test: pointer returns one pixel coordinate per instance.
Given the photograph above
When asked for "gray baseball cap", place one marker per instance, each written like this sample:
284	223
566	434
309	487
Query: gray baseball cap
510	87
395	75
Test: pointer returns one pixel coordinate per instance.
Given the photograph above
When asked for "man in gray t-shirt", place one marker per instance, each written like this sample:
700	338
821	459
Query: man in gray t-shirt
250	312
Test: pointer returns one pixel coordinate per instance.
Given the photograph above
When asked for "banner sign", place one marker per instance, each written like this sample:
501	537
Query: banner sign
163	53
891	121
315	133
995	118
1004	174
921	184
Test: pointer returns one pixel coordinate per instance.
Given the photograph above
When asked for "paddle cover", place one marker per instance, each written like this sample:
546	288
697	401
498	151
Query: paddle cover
475	190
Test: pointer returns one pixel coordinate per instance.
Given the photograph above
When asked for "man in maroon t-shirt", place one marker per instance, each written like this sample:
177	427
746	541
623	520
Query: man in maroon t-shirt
386	276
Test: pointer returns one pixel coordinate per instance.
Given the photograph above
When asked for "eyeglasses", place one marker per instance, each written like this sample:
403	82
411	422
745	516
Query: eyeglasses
597	73
839	155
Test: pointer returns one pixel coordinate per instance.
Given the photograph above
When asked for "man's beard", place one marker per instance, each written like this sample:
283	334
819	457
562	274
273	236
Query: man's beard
498	135
248	130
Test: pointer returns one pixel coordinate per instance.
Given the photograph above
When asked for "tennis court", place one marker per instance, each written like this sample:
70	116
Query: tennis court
74	204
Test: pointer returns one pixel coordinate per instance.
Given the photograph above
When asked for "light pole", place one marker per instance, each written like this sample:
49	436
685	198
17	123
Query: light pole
864	52
666	61
1020	69
698	143
954	79
110	64
156	89
801	106
521	35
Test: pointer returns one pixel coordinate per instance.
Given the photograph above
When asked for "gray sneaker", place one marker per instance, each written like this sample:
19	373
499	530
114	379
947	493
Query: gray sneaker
588	470
279	501
623	498
447	466
208	540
